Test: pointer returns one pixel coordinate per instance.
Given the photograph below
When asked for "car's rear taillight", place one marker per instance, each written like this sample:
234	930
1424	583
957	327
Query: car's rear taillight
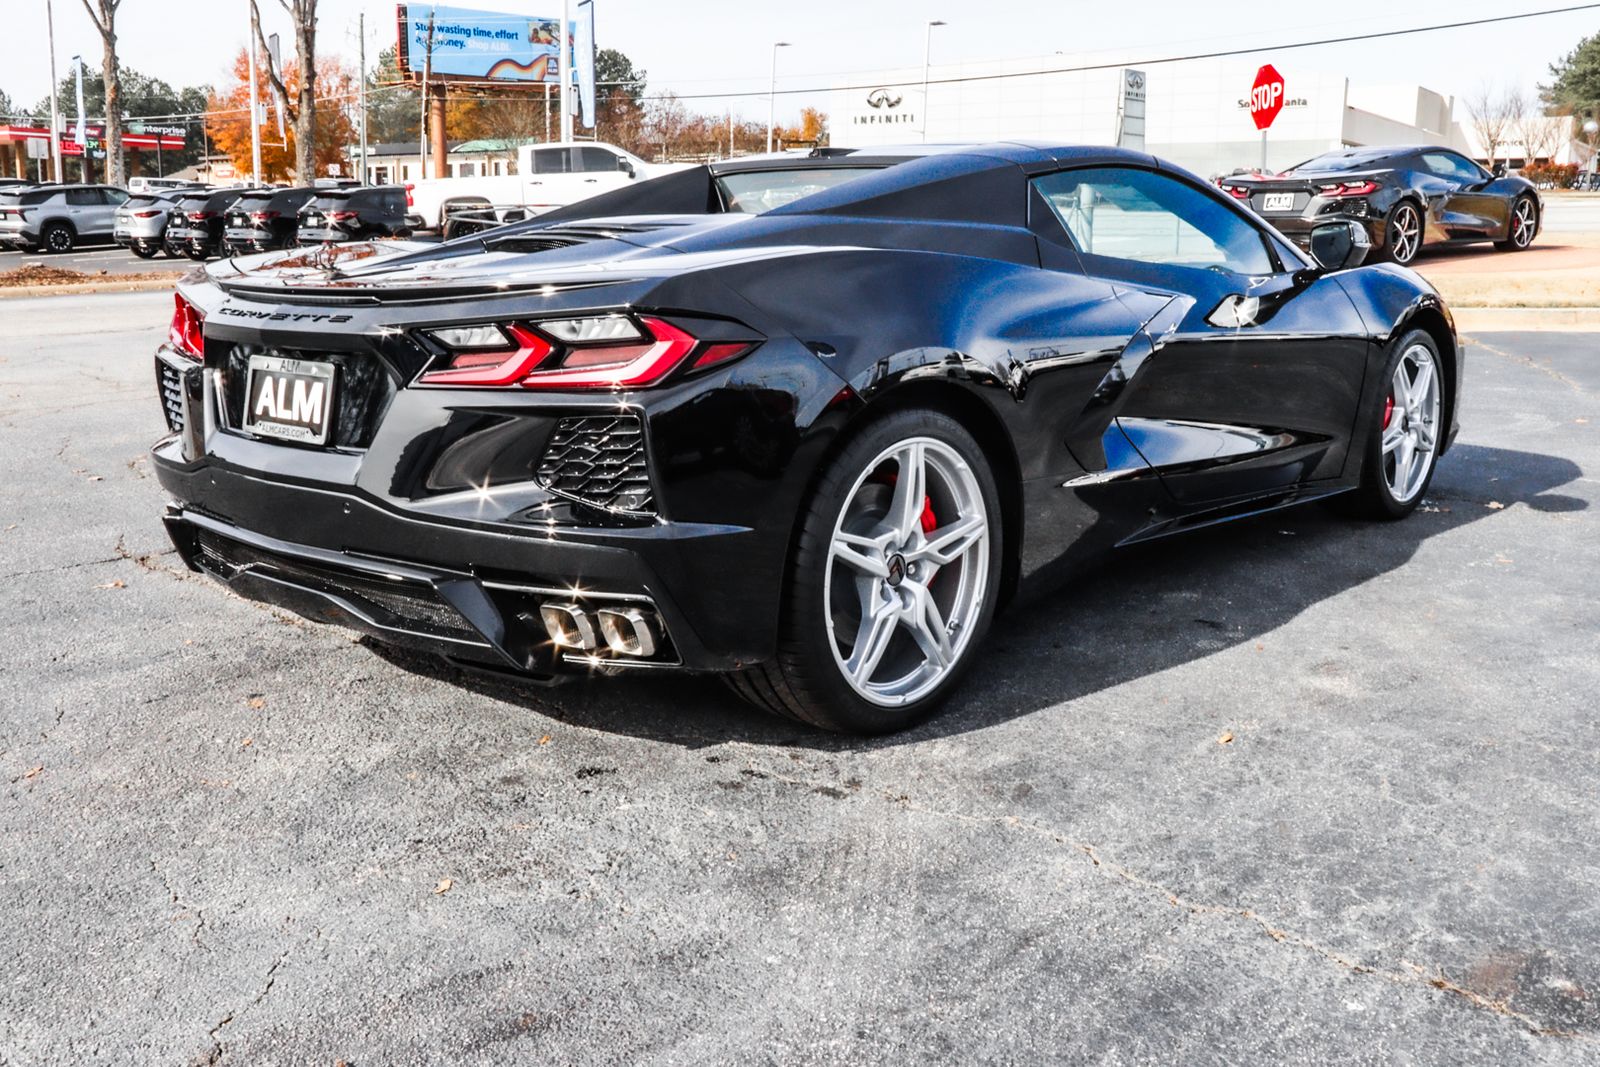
200	216
145	214
187	331
342	216
263	216
1238	192
594	352
410	202
1363	188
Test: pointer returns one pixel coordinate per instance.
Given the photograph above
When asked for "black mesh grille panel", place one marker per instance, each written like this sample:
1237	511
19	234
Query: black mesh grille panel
599	460
169	382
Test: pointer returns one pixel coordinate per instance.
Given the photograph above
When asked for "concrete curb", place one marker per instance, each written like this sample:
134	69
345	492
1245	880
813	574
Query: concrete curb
103	285
1485	320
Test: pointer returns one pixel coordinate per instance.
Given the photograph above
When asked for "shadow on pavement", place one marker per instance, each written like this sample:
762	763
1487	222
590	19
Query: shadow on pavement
1140	611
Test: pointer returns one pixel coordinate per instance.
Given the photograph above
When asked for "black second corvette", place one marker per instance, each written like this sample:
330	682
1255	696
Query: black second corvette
1406	197
808	424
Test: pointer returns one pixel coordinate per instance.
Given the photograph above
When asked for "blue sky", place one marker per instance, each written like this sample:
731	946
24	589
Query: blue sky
702	46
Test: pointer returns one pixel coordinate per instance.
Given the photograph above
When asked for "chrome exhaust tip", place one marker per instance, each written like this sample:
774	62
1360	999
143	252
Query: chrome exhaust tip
629	631
568	626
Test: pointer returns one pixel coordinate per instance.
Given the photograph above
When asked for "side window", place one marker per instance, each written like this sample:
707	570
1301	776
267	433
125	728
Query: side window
84	198
550	161
598	160
1146	217
114	196
1451	167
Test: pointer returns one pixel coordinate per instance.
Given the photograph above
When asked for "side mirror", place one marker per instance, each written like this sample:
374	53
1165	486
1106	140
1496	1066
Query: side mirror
625	167
1499	170
1340	245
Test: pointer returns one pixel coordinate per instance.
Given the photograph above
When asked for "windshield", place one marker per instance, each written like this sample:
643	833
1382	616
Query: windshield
753	192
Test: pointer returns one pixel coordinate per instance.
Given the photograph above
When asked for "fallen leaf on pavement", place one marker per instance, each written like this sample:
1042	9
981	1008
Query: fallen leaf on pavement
257	703
545	740
33	772
116	583
1226	739
247	742
443	887
1495	505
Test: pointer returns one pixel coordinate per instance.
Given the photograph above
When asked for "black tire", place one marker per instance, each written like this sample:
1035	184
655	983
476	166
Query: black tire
1373	498
199	255
58	238
143	250
1522	228
805	680
1404	218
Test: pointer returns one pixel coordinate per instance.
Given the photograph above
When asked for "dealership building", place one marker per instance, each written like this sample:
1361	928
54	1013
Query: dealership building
1196	112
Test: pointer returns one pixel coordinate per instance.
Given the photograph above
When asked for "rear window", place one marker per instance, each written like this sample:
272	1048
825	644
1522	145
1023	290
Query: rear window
1345	159
329	202
757	191
290	199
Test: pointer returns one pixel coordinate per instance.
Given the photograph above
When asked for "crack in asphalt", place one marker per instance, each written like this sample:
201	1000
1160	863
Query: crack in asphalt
214	1054
1412	976
172	893
1528	361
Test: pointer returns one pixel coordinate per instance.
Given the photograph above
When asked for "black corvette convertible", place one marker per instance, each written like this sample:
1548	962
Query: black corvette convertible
1406	197
808	424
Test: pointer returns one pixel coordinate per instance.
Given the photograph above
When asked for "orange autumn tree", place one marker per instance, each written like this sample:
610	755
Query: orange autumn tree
229	124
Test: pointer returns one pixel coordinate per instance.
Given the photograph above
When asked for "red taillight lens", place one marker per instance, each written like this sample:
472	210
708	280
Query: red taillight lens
342	216
187	332
145	214
1237	192
263	216
200	216
409	189
538	362
1348	189
491	366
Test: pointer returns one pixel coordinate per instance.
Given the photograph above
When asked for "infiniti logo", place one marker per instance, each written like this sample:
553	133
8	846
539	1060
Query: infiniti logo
883	98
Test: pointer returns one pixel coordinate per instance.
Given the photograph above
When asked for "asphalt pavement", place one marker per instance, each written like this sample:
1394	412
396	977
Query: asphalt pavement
1300	789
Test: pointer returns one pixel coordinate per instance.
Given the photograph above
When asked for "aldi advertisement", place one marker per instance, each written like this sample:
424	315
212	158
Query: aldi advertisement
475	45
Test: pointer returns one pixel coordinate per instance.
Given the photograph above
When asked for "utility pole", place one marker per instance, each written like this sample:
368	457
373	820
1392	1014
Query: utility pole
427	72
564	69
55	115
255	110
362	174
927	57
772	93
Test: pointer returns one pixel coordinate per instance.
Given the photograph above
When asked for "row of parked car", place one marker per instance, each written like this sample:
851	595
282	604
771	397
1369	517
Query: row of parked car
197	221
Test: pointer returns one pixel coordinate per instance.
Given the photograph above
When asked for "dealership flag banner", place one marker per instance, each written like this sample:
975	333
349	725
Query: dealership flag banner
77	132
470	45
583	60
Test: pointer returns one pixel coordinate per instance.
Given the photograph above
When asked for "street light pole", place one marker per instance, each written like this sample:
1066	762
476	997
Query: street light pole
927	57
255	109
55	116
772	92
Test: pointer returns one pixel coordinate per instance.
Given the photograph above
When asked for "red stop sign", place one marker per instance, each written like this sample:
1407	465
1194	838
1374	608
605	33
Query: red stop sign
1266	96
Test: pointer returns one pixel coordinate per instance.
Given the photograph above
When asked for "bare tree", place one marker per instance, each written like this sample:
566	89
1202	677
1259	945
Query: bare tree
303	113
1490	110
1539	133
103	13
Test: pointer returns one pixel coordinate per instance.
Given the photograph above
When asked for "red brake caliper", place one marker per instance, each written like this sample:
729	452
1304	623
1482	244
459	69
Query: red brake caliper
930	523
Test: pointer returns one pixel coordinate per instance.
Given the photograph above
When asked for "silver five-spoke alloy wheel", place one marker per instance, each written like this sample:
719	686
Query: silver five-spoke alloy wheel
1406	235
907	571
1522	223
1411	423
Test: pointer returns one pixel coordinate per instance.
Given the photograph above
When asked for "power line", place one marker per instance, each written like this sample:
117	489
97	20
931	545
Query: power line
1221	54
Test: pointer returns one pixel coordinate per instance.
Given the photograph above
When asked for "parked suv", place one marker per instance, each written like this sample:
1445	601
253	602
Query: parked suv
264	221
57	218
205	217
354	214
141	222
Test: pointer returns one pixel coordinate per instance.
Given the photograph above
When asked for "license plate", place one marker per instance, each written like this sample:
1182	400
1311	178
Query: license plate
291	399
311	220
1277	202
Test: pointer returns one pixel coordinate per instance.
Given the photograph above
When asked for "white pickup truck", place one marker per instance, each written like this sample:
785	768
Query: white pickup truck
548	176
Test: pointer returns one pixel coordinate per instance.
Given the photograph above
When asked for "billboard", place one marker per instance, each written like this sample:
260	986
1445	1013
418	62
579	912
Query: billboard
471	45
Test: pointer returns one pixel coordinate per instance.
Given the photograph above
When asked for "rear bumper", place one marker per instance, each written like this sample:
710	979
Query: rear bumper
466	591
